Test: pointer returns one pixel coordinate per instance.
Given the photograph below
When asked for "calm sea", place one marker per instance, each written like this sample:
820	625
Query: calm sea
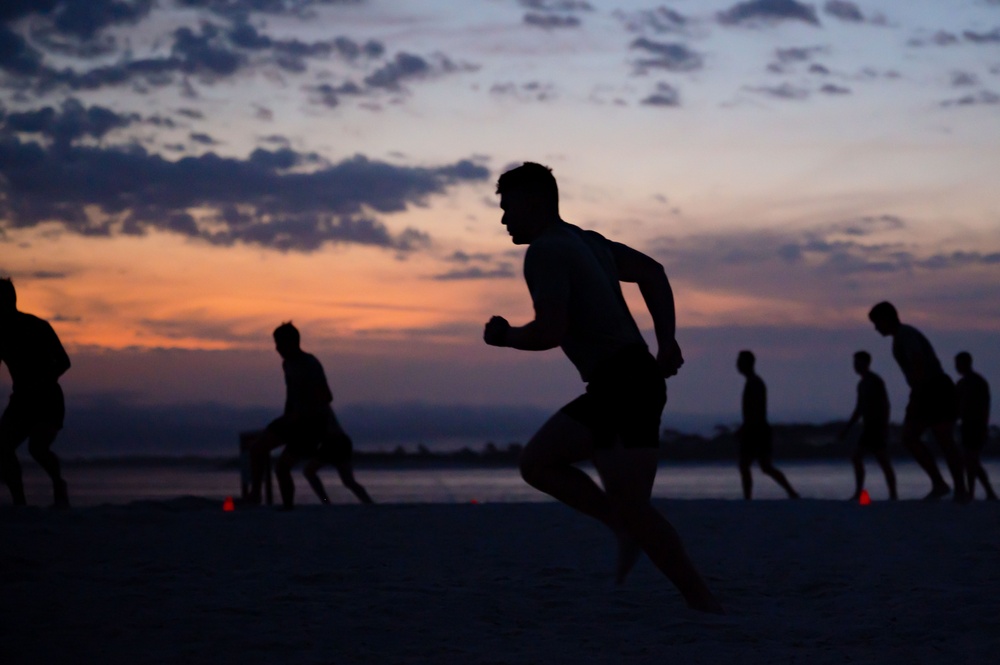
115	484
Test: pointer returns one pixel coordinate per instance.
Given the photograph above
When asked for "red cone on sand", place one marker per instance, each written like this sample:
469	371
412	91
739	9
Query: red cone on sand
864	499
228	505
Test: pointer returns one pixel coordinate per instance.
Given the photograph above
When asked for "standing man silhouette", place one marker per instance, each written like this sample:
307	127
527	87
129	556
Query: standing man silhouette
573	277
872	409
755	433
933	401
974	411
35	359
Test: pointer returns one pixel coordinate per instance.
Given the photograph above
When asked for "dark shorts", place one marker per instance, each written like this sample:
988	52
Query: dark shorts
335	447
933	402
974	435
624	400
755	442
28	412
302	436
874	439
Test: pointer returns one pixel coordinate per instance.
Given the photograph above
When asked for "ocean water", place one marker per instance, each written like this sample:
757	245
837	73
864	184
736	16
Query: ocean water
92	485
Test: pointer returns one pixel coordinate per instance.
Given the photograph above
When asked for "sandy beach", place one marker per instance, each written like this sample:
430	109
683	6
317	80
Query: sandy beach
181	581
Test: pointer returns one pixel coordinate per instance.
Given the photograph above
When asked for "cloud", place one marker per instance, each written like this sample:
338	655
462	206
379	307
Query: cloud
503	271
476	266
981	98
73	122
658	21
991	37
531	91
665	95
963	79
551	21
845	11
404	66
797	54
783	91
202	138
672	57
85	20
757	12
847	263
261	200
831	89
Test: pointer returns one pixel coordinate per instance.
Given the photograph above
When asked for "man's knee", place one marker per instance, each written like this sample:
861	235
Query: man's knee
531	469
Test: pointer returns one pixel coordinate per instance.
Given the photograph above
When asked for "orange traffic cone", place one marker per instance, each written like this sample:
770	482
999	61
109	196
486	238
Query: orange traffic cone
228	505
864	499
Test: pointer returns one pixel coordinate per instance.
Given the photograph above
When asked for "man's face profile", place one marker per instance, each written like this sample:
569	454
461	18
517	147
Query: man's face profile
520	216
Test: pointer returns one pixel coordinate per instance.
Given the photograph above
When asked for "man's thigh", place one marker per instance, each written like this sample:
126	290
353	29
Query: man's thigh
627	473
561	440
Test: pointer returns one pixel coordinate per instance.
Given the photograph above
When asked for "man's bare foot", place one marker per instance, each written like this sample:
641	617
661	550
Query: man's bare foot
628	555
708	604
61	496
937	492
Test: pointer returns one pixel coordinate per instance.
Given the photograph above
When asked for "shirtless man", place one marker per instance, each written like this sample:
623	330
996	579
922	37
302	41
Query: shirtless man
933	401
872	409
755	433
573	277
36	360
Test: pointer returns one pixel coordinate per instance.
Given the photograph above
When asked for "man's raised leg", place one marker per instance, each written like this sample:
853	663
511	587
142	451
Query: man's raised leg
628	475
547	465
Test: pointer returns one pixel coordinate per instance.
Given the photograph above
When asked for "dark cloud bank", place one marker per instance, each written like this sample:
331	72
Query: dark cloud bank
48	173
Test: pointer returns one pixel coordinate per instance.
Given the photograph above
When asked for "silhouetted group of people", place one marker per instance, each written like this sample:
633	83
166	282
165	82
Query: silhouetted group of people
574	279
936	404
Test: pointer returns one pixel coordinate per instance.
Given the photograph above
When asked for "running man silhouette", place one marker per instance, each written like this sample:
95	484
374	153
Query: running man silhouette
933	401
573	277
974	412
35	359
755	433
307	428
872	409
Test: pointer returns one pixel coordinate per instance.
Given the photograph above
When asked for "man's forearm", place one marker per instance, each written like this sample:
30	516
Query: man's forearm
531	337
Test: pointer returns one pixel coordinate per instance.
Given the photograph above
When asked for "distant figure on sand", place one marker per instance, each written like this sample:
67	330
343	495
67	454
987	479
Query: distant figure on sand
573	277
307	429
35	359
872	409
974	412
755	433
933	401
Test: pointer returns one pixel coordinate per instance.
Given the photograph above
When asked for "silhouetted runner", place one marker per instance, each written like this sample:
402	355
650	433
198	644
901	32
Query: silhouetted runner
573	277
872	409
307	429
755	432
35	359
974	412
933	401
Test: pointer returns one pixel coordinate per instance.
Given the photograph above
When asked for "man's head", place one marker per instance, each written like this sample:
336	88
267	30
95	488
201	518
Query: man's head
745	362
963	362
529	198
8	297
885	318
862	361
286	339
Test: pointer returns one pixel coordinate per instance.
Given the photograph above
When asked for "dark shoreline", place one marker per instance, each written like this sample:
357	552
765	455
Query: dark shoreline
793	442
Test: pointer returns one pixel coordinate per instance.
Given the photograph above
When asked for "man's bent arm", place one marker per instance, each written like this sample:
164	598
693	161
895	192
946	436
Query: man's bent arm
634	266
545	332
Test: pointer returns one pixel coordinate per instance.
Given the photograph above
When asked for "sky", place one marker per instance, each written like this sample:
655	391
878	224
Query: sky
178	177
